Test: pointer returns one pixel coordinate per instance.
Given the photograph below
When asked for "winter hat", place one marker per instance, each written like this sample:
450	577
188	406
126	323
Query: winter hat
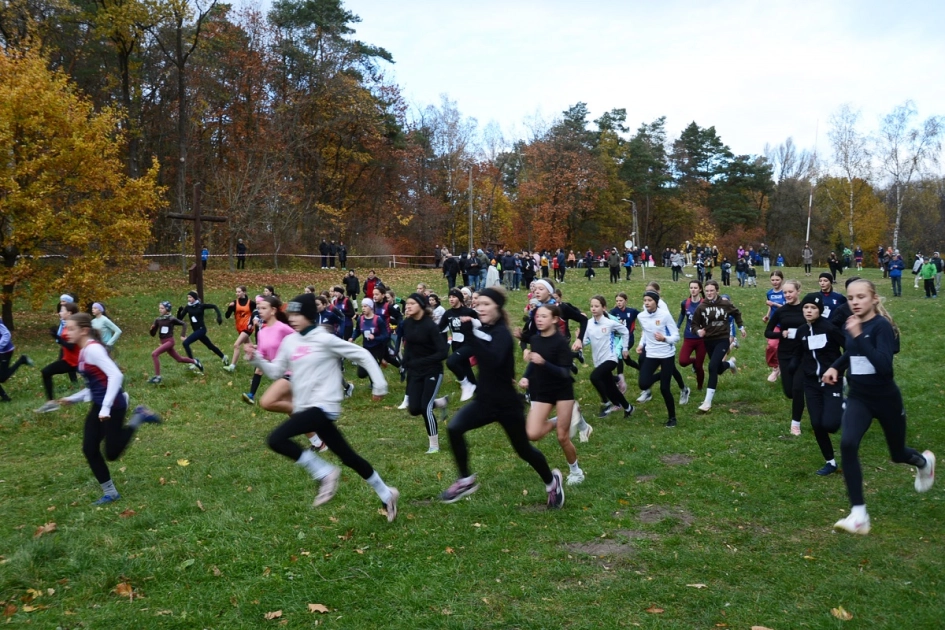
193	294
166	305
827	275
258	299
653	295
496	296
368	302
419	299
456	293
466	292
816	299
305	306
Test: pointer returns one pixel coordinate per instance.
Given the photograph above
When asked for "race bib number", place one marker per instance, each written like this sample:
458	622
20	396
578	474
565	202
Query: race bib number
816	342
826	311
165	330
861	366
791	333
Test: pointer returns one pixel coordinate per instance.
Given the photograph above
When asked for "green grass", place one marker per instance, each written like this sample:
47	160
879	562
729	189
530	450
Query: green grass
746	516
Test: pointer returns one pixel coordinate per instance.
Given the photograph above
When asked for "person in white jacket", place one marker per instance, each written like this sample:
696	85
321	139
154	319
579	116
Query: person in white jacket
603	334
658	339
312	354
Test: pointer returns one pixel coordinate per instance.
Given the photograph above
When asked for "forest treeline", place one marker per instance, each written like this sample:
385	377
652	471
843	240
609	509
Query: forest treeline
295	134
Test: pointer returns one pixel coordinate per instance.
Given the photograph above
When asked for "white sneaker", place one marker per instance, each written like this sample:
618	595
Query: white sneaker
467	389
795	427
850	524
684	396
705	407
732	366
925	477
585	433
576	477
404	404
349	391
230	368
48	407
645	396
327	487
773	377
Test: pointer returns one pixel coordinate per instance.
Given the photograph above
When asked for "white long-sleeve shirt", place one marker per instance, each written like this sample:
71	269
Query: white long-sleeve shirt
102	377
659	320
316	371
602	334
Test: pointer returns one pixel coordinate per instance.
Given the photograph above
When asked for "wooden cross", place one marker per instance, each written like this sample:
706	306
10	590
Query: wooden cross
196	272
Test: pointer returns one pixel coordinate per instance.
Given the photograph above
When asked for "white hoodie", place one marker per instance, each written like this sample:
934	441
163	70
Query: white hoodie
602	337
316	371
658	321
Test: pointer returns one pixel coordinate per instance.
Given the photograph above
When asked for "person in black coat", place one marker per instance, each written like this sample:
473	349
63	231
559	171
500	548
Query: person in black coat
342	255
240	254
424	352
332	252
323	250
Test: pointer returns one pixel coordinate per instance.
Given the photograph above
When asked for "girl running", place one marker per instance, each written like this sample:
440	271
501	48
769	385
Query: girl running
312	354
68	361
774	300
6	353
273	328
163	327
491	343
195	310
603	335
710	321
783	326
460	331
424	352
646	395
871	340
106	415
108	332
374	330
242	308
628	317
550	384
819	345
691	341
659	337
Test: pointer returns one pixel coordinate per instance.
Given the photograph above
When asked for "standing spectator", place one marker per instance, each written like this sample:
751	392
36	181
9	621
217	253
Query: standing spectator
836	267
667	255
528	269
896	266
204	256
437	256
726	272
765	257
323	250
572	259
676	261
352	285
807	254
561	265
342	255
240	254
483	267
332	252
544	265
628	263
689	249
450	271
508	270
613	262
517	276
464	268
939	265
371	283
741	270
780	261
927	273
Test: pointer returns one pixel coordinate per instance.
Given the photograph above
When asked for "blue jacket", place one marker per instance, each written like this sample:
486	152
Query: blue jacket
896	266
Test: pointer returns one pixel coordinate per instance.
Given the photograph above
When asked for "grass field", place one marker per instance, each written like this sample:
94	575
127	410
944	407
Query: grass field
719	523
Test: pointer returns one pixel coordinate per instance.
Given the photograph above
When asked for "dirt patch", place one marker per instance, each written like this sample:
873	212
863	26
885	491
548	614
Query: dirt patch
676	459
602	548
633	534
652	514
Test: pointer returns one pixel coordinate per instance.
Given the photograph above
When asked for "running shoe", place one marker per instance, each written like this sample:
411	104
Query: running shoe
579	355
249	398
106	499
192	367
468	390
198	363
403	374
433	449
671	423
391	504
226	360
349	390
732	366
404	404
48	407
154	380
628	411
145	415
684	396
645	396
795	427
460	488
230	368
556	494
705	407
925	477
585	433
773	377
327	487
28	361
576	477
828	469
854	526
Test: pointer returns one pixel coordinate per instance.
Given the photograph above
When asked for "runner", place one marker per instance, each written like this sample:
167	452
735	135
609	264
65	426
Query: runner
603	334
691	341
774	299
424	352
242	307
68	360
163	327
195	310
659	337
783	326
6	353
460	331
273	327
107	330
710	321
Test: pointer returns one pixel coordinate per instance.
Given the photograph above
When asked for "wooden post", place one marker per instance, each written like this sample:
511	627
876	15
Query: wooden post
196	272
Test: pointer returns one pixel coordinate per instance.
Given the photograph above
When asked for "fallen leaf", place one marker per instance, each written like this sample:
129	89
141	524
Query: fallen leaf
697	585
32	594
123	589
123	469
266	572
46	528
249	488
841	614
653	610
189	562
183	462
217	572
28	608
525	492
200	505
317	608
162	481
348	534
10	610
127	513
50	591
449	550
760	628
333	519
164	612
809	558
275	614
51	508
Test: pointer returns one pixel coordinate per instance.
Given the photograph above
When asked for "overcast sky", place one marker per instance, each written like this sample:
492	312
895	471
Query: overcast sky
759	71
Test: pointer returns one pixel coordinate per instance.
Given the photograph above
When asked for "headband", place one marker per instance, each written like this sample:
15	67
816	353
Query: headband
494	295
546	284
652	295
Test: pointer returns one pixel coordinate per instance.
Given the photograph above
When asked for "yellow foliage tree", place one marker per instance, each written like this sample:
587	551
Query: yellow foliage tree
69	216
870	225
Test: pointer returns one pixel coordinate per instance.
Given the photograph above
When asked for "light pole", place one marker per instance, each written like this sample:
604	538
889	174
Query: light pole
636	229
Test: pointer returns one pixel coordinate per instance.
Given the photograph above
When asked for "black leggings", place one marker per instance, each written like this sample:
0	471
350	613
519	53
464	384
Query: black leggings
806	267
6	372
472	416
421	392
603	380
615	274
629	271
857	418
825	408
792	384
459	364
314	420
201	335
59	366
661	370
111	430
716	349
676	272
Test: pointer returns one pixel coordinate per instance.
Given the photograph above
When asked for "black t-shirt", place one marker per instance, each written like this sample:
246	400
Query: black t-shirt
551	381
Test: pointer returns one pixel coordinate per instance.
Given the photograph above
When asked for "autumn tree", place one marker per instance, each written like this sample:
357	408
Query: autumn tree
68	212
852	161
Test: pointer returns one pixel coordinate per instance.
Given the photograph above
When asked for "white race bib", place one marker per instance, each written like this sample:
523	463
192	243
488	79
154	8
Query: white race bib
459	337
826	312
791	333
861	366
165	330
816	342
193	319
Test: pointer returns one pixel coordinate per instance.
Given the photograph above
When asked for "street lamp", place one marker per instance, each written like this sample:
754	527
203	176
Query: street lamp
636	228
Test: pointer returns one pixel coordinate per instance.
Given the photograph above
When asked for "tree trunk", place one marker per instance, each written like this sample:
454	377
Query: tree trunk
9	259
851	213
898	216
181	63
